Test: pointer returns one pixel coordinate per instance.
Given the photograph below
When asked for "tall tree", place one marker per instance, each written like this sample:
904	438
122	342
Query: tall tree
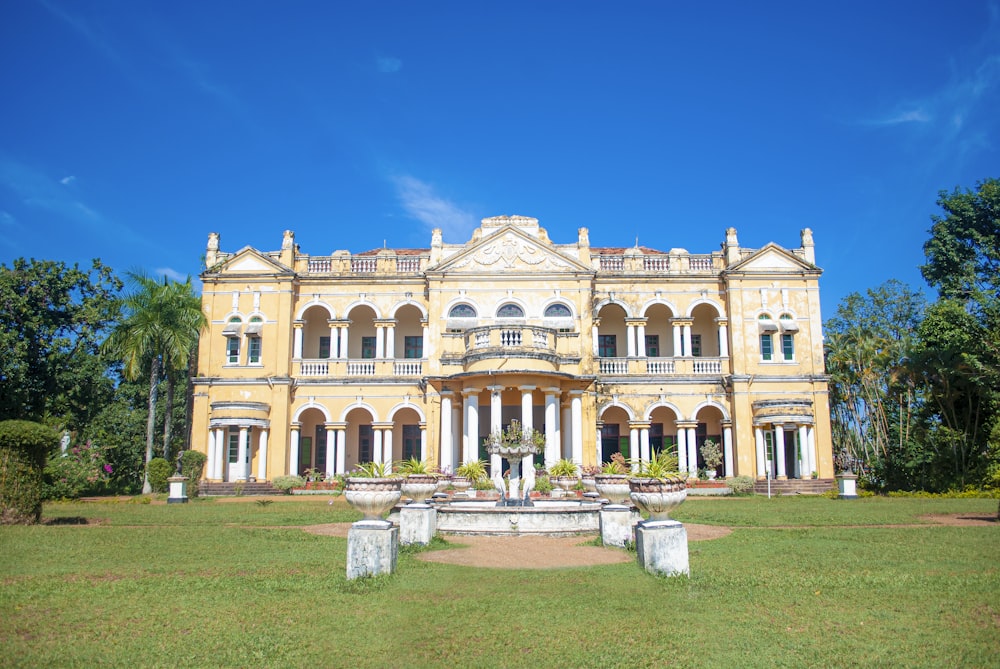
52	318
872	394
959	355
159	330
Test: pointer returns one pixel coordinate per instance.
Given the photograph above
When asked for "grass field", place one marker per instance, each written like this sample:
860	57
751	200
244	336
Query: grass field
800	582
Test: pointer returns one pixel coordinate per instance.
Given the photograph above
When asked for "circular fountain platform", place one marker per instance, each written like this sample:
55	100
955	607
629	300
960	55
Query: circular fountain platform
552	518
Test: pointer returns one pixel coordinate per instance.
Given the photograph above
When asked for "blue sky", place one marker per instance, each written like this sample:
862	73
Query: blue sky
130	129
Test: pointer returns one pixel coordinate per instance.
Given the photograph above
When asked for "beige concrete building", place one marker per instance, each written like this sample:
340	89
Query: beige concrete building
324	361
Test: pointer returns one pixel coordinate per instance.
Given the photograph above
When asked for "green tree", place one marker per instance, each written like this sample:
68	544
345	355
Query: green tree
52	318
872	393
158	332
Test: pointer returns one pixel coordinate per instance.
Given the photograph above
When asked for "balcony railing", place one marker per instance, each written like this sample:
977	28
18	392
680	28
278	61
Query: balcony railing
613	365
658	264
364	367
368	264
660	366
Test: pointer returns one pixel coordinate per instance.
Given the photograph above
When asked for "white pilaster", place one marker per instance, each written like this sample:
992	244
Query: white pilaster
293	452
682	452
566	445
687	339
379	343
387	445
496	409
220	454
390	342
727	450
634	448
377	446
341	450
692	452
331	451
345	334
447	454
297	341
644	452
596	332
630	340
423	443
677	341
262	455
576	411
241	465
527	408
805	467
551	426
332	354
813	465
210	461
758	435
640	340
470	446
723	341
779	451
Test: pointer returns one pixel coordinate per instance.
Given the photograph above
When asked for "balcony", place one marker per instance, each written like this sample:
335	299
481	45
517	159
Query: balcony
660	366
367	367
535	347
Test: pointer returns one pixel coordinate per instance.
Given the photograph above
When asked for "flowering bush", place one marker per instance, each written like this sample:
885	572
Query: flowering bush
82	470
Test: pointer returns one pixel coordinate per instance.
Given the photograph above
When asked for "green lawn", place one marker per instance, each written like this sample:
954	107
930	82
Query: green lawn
800	582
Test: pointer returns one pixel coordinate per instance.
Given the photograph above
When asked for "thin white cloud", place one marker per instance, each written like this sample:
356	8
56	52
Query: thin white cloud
389	65
171	274
421	202
910	116
65	181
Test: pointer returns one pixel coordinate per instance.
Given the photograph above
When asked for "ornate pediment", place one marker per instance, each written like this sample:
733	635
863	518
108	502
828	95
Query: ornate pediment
510	250
250	261
772	258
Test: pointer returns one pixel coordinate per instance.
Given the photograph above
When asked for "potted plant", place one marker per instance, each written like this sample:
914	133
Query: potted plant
563	474
712	455
612	482
468	473
587	475
419	481
658	487
373	489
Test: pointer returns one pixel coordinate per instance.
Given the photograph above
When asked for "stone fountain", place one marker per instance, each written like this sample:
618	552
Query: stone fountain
519	448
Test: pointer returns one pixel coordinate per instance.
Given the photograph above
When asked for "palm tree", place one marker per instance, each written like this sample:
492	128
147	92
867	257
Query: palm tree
161	327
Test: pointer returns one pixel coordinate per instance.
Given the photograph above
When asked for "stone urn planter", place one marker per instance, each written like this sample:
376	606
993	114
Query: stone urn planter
612	486
443	482
419	487
460	483
373	497
567	483
658	497
589	485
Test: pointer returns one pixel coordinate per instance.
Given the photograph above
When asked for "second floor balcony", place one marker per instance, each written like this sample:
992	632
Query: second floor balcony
661	366
365	367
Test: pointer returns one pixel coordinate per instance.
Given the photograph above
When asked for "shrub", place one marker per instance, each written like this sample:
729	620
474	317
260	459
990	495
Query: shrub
23	447
159	471
473	470
81	471
192	466
286	483
485	483
563	467
543	485
741	485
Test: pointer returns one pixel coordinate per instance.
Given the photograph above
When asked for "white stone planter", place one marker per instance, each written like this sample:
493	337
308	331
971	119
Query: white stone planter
567	483
419	487
612	486
658	497
373	497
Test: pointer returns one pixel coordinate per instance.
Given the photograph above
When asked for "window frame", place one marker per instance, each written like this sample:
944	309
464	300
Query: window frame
766	352
233	350
607	342
413	347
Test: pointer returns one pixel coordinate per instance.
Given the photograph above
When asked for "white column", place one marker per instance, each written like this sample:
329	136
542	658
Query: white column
551	426
527	408
682	451
779	451
758	435
600	450
630	340
496	425
677	341
331	451
447	455
241	457
423	443
220	453
566	447
576	411
644	453
692	452
470	447
814	466
727	450
805	467
262	456
390	342
210	461
687	339
344	336
723	341
377	446
425	342
293	452
341	450
387	445
640	340
456	432
596	332
297	341
634	448
333	342
379	343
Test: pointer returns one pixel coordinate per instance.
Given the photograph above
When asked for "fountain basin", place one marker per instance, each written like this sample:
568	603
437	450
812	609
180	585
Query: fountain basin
551	518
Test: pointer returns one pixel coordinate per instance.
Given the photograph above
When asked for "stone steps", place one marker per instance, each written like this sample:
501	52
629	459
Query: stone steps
796	486
207	489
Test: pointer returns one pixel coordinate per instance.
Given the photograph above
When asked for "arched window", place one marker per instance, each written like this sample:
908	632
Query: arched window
510	311
558	310
254	328
232	331
462	311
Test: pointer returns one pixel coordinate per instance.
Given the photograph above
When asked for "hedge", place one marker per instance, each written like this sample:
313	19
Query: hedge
24	446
